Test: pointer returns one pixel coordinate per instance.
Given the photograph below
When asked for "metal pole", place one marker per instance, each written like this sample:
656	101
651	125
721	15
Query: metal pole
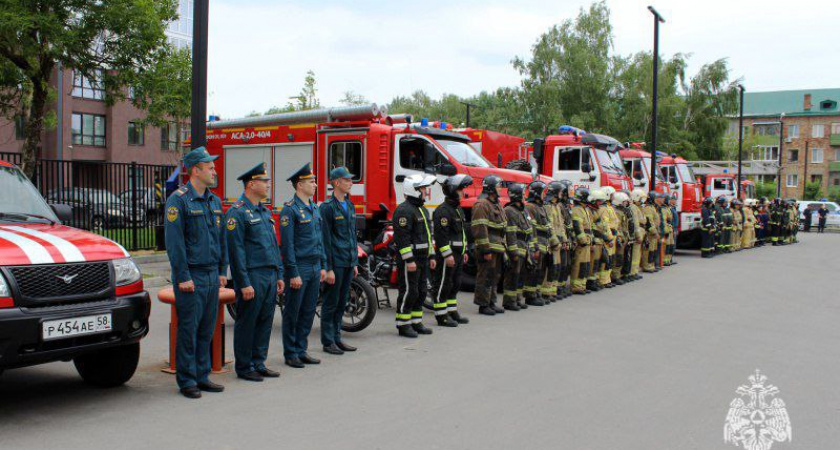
805	173
740	142
781	138
468	105
198	130
656	20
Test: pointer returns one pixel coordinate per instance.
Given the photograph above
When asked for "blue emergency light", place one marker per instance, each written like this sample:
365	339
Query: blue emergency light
568	129
424	122
443	125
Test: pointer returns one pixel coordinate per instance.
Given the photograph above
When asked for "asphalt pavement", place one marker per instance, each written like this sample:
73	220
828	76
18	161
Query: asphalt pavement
651	365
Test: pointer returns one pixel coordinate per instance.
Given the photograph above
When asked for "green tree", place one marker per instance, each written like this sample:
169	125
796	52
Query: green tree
308	96
37	37
765	190
350	98
813	190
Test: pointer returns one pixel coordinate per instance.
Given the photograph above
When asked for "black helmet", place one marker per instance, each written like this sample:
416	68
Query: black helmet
582	195
553	191
565	189
490	184
776	201
516	192
721	200
652	195
762	201
708	201
451	185
535	190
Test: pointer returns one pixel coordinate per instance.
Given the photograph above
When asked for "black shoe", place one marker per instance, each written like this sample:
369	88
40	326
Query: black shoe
209	386
534	302
420	328
512	307
498	309
583	292
619	282
295	362
674	263
306	359
346	347
407	331
523	305
444	320
250	376
268	373
191	392
458	318
487	311
609	285
333	349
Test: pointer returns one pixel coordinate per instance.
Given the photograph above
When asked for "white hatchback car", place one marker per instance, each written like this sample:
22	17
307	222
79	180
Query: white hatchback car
832	219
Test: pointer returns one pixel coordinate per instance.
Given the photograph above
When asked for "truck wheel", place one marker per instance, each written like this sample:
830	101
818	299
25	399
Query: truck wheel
519	164
361	307
110	367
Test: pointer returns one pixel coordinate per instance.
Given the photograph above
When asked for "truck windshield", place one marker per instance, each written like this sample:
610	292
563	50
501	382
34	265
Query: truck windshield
686	174
610	161
464	153
20	198
659	176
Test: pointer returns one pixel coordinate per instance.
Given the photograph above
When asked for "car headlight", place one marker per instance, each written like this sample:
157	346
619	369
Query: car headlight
126	271
4	287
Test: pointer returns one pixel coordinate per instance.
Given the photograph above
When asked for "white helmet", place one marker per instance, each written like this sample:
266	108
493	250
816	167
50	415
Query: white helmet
413	183
608	191
596	195
638	195
619	198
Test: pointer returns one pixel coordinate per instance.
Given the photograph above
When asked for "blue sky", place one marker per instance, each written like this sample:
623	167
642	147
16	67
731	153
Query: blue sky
260	50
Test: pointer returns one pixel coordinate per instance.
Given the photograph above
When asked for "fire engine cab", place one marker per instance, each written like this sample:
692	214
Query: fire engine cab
723	184
683	182
380	150
637	163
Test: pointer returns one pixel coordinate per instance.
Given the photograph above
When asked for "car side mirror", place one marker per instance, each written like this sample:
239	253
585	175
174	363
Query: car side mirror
585	168
447	169
384	207
642	182
592	177
399	178
64	212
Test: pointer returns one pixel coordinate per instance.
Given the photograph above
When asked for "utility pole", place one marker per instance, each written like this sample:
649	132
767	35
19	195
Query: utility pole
657	19
468	105
740	141
198	112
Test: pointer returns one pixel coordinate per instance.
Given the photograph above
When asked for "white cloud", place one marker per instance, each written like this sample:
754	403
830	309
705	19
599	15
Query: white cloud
260	51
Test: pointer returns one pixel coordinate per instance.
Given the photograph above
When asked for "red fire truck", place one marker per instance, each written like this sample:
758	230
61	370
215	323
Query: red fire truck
586	159
723	184
379	150
684	183
637	163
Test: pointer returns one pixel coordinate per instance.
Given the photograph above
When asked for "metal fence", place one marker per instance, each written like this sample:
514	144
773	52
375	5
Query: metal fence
121	201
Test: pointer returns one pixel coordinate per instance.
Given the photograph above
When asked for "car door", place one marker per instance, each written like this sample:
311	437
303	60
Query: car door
416	154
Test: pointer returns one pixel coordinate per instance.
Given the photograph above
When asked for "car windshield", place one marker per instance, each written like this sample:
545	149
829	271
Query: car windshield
19	196
686	174
610	161
464	153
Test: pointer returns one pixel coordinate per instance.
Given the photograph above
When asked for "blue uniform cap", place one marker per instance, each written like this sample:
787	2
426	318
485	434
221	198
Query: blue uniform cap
340	172
304	173
198	155
258	172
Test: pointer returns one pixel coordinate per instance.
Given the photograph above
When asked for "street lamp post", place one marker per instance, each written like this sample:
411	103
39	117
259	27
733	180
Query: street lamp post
657	19
740	141
781	138
468	105
198	110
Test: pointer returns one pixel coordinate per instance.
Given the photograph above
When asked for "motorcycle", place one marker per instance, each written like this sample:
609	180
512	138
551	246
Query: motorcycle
361	306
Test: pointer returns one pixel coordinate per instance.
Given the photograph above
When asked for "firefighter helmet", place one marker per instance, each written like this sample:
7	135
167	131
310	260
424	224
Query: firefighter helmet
582	195
451	185
721	200
620	198
708	202
413	183
608	190
638	195
516	192
535	190
491	184
552	191
565	189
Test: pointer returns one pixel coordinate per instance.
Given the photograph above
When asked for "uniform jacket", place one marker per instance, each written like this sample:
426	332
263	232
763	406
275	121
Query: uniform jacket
413	230
301	237
251	241
450	229
338	227
488	226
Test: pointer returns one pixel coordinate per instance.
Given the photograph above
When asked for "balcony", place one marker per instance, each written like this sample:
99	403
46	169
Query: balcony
834	139
834	166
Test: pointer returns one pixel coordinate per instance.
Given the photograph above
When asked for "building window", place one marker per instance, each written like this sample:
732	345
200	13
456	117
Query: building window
136	133
766	153
816	179
764	129
88	129
816	156
837	154
792	180
817	131
794	155
793	131
169	137
184	24
349	155
20	128
835	128
85	87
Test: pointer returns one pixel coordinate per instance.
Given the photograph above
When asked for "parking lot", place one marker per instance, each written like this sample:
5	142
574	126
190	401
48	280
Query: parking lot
651	365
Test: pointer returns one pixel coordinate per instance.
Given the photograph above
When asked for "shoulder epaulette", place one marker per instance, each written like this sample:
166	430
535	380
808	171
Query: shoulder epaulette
238	204
328	200
181	190
290	203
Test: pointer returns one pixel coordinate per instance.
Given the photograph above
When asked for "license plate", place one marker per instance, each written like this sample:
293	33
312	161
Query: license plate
76	326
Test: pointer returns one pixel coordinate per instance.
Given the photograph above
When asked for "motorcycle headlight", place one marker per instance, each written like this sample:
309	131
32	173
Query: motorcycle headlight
4	287
126	271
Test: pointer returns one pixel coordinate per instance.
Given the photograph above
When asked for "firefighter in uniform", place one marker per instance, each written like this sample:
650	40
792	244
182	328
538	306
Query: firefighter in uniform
488	228
338	216
675	226
582	224
451	241
668	229
521	247
652	233
304	266
600	235
534	287
708	228
727	224
566	210
413	238
558	239
621	266
638	197
737	224
775	221
611	227
748	236
257	273
198	257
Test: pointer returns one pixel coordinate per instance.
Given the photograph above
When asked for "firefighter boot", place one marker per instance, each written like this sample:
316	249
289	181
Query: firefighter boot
420	328
444	320
407	331
457	317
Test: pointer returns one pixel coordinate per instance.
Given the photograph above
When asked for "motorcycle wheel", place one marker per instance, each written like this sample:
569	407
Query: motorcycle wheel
361	306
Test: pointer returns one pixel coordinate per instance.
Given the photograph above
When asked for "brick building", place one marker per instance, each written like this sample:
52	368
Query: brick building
811	120
89	130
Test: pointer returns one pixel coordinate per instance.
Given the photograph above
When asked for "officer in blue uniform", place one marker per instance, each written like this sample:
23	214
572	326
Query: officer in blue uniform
257	274
338	216
198	258
304	263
